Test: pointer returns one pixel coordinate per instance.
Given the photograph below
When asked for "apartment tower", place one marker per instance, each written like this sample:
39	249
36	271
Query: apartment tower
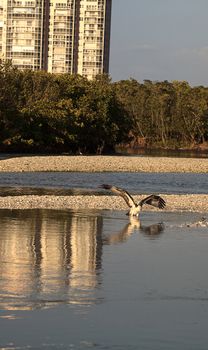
56	35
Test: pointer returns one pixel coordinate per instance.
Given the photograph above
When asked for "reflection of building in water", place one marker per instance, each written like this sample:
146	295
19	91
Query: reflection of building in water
16	257
86	248
70	257
48	256
49	245
14	253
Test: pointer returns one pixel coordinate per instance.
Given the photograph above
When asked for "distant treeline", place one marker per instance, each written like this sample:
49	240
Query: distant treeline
43	112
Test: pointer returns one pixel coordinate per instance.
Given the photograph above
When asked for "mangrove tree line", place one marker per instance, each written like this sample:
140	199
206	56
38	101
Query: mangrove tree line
43	112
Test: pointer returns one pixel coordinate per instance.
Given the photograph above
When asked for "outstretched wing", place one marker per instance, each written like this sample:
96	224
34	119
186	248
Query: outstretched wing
154	200
121	192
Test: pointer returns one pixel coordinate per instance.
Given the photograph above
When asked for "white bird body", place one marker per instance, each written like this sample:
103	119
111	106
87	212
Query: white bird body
134	211
135	208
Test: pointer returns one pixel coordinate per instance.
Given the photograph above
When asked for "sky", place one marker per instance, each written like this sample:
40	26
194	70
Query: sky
160	40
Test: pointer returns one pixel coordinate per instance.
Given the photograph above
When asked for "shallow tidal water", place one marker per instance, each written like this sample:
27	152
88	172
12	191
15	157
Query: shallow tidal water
72	183
96	280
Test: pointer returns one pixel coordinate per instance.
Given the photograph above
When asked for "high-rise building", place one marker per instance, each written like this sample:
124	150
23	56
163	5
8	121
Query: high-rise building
61	33
22	33
56	35
94	35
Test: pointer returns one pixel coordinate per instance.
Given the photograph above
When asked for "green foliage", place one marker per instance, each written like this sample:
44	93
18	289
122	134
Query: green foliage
165	114
42	112
58	113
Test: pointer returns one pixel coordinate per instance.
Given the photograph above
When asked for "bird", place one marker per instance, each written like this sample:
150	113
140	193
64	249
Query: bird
135	208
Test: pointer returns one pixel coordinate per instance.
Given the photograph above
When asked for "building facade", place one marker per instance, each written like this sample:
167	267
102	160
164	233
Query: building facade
56	35
21	33
61	36
94	34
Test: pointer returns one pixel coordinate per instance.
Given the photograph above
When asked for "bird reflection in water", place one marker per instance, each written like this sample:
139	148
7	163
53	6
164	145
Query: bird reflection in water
152	231
134	225
49	257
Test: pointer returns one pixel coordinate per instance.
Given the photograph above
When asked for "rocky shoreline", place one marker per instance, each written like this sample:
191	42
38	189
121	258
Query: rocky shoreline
198	203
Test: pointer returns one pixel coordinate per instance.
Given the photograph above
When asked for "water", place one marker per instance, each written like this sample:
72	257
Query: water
95	280
67	183
180	153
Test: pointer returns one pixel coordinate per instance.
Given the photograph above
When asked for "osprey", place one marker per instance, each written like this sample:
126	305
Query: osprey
135	208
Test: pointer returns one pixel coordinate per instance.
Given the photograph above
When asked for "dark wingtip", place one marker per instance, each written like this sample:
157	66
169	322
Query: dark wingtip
162	203
105	186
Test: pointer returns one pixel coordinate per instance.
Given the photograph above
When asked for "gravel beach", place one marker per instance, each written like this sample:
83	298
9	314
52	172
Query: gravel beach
104	163
193	202
198	203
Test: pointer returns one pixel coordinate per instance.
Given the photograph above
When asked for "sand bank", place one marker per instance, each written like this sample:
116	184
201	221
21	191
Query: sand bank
103	163
198	203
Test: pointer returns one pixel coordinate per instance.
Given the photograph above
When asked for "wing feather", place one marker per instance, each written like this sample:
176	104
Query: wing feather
154	200
121	192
